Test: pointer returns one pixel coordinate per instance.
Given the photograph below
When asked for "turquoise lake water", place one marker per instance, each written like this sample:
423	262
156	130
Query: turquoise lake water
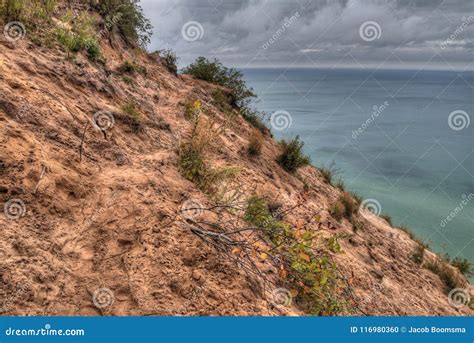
391	135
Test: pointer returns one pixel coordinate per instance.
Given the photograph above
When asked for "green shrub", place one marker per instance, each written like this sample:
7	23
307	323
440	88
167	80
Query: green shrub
127	16
93	48
81	36
12	10
464	266
169	59
314	275
34	14
27	11
258	213
292	156
191	162
215	72
311	273
332	242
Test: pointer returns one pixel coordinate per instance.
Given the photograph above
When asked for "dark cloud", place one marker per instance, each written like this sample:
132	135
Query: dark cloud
319	33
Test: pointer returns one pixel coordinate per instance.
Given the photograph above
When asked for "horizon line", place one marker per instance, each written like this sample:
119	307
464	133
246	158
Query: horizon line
454	70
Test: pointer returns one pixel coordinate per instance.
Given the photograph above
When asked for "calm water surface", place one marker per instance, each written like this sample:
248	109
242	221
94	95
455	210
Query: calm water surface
388	131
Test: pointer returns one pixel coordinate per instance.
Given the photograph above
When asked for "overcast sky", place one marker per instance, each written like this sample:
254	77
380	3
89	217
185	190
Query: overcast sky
320	33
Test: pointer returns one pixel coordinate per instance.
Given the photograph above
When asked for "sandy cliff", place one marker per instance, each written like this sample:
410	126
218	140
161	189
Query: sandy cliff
113	218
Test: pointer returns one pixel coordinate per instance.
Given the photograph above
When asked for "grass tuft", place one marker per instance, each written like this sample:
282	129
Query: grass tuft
292	156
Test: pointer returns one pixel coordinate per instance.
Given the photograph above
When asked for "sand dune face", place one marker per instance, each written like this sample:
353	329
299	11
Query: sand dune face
92	220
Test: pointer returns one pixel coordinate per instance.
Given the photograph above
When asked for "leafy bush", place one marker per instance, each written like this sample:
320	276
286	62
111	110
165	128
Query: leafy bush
215	72
128	18
258	214
255	143
169	59
191	162
93	48
27	11
12	10
81	35
464	266
308	269
292	156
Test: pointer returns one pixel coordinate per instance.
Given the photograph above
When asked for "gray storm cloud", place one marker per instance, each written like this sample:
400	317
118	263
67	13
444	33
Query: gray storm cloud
406	33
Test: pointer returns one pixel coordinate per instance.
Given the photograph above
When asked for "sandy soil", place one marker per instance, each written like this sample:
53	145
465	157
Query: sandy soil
108	221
